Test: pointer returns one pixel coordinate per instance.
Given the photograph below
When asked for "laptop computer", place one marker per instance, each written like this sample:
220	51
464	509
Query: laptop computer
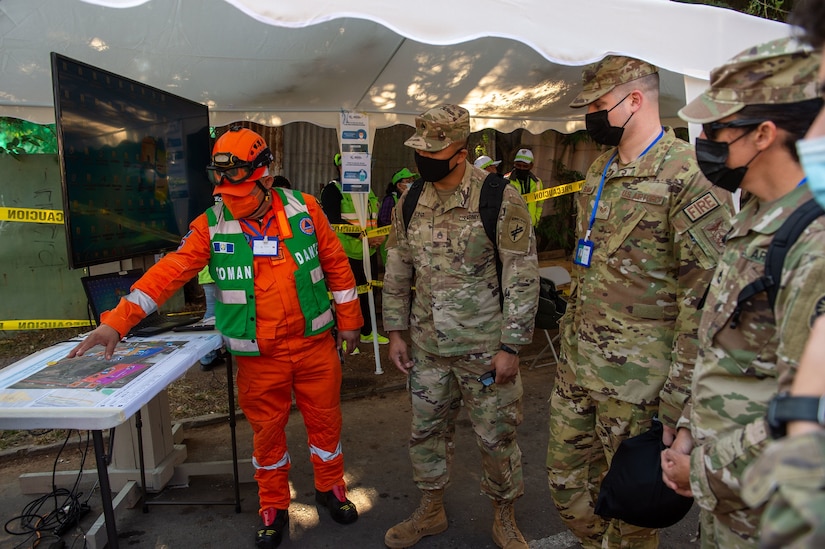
104	292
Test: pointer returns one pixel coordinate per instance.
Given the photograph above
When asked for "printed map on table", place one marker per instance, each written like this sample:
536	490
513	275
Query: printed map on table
92	371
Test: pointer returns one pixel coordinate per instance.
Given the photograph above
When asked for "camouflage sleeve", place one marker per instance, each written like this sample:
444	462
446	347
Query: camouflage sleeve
700	220
398	276
718	466
790	478
520	269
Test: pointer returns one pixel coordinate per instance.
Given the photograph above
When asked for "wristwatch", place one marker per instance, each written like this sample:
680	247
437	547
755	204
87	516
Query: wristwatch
784	408
508	349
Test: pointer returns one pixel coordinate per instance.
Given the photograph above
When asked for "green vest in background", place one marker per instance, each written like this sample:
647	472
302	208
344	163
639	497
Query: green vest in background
351	242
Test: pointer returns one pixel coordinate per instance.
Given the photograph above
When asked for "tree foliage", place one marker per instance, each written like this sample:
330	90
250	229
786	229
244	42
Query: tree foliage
776	10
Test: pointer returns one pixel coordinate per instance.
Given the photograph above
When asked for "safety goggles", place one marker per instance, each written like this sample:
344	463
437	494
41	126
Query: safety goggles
227	166
711	129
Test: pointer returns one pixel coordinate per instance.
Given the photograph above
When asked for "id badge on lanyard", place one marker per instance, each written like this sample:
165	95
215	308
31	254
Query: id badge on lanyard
584	252
265	246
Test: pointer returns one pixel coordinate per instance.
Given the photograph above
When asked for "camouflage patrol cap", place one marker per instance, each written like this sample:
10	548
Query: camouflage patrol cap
775	72
440	127
614	70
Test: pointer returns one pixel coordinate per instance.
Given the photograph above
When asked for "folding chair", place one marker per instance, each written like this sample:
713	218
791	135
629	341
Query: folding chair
551	308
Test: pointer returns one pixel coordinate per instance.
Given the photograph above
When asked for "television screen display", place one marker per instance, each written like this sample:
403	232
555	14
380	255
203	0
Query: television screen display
133	161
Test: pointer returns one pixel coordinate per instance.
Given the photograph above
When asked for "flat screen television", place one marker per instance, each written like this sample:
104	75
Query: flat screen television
133	161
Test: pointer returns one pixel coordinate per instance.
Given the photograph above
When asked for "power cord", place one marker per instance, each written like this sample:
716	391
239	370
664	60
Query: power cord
38	524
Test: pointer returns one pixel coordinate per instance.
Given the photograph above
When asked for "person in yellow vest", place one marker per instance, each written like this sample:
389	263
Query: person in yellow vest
340	210
526	182
401	181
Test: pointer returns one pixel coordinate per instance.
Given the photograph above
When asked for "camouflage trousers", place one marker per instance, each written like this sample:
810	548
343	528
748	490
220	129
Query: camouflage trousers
438	386
586	429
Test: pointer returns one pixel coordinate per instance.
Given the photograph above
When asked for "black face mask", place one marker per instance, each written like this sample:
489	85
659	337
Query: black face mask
521	175
600	130
432	169
712	156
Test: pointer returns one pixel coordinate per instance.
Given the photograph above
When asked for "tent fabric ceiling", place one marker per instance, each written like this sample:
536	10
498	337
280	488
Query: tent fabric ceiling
513	64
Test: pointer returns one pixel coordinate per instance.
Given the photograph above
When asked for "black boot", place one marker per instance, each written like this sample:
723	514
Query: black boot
343	511
276	522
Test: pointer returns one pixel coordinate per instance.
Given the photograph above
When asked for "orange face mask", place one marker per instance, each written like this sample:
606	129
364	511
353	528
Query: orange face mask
253	205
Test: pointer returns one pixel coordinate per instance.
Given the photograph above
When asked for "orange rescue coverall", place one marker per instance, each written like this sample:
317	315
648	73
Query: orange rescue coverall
289	361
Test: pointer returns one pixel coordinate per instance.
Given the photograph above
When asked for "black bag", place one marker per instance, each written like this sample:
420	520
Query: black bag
551	305
633	489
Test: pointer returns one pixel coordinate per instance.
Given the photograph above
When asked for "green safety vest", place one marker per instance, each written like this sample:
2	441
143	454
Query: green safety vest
231	265
351	243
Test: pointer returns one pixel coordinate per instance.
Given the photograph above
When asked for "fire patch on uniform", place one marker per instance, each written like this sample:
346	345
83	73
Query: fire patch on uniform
702	206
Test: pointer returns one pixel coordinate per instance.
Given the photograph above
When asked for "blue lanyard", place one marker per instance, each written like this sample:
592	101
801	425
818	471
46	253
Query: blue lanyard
604	175
255	232
804	180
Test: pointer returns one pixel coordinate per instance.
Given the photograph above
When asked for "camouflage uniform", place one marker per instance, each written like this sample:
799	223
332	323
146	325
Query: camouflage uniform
628	336
456	326
740	369
791	474
744	361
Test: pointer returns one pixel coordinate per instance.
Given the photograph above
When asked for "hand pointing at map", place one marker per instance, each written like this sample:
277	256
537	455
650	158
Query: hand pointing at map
102	335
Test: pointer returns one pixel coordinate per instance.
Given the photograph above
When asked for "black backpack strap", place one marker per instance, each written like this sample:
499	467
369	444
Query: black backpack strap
489	204
411	200
781	243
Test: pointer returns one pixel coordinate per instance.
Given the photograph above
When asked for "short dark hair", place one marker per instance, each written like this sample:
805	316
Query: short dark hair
281	181
794	118
809	16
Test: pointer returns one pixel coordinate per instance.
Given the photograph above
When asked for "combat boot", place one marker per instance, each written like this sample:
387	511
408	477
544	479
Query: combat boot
427	520
505	532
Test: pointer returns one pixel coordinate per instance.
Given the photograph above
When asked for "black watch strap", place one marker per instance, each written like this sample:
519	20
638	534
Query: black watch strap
784	408
508	349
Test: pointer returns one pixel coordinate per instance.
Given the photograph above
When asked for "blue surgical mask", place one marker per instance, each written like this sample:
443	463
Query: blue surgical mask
812	157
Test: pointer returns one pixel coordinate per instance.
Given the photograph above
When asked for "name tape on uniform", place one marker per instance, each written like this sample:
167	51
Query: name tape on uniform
31	215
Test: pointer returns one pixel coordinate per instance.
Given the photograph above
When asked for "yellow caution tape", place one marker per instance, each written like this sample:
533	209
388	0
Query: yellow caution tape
346	228
553	192
41	324
31	215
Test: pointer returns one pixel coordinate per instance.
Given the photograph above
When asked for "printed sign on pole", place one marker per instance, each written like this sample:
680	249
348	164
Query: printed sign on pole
354	132
355	172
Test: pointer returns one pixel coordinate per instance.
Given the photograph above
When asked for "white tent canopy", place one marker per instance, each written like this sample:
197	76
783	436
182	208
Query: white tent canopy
513	64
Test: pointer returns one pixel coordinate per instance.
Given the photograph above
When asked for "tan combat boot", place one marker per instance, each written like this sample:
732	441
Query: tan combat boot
427	520
505	532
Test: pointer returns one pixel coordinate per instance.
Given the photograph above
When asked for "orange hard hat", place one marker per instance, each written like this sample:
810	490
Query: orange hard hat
240	157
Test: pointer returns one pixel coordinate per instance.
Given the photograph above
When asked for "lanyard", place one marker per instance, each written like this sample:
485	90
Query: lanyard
804	180
604	175
255	233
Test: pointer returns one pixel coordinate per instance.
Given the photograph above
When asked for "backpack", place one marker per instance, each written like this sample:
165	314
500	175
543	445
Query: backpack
489	204
782	242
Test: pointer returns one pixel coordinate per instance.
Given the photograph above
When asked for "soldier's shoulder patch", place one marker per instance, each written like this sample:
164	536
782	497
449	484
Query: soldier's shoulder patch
701	207
515	230
818	311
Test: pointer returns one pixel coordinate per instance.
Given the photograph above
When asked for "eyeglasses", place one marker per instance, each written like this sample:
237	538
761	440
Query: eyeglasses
712	128
233	169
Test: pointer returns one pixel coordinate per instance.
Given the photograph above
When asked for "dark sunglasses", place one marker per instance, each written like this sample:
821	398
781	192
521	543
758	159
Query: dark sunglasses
711	129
